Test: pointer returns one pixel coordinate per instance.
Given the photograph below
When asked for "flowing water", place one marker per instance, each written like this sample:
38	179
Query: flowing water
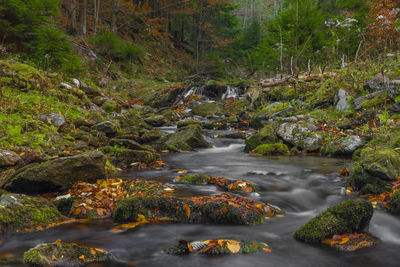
301	186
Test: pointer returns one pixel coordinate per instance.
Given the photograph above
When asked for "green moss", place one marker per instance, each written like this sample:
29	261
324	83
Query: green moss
19	212
394	205
182	124
127	156
110	106
188	138
347	217
270	149
208	109
194	179
267	135
61	254
383	163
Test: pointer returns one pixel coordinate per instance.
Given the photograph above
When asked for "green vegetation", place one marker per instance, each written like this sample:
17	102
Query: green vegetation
271	149
347	217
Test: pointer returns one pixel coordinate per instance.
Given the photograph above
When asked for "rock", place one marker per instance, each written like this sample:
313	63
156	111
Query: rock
301	136
76	82
60	254
395	108
341	99
149	136
217	247
394	89
58	174
206	209
8	158
347	217
111	106
20	213
377	83
383	163
271	149
91	91
394	205
127	144
128	157
107	127
374	170
155	120
185	123
345	146
244	116
266	135
208	109
65	85
188	138
83	123
357	103
100	100
53	118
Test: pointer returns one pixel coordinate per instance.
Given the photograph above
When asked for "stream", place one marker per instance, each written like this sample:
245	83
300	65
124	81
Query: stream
301	186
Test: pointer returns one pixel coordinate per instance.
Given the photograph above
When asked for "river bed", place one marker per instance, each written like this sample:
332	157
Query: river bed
302	186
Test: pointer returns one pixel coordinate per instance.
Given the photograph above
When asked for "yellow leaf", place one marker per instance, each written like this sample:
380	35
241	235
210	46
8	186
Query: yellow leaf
182	171
232	245
82	258
58	241
267	250
344	240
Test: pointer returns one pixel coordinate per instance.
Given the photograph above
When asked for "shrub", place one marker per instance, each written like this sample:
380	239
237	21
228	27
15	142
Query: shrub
113	47
51	49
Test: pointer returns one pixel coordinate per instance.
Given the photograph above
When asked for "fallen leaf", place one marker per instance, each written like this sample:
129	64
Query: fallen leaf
187	210
53	258
267	250
82	258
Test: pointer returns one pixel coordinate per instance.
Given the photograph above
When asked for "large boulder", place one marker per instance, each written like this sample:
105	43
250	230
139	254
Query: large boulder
347	217
303	136
374	170
188	138
155	120
208	109
344	146
60	254
8	158
266	135
20	213
58	174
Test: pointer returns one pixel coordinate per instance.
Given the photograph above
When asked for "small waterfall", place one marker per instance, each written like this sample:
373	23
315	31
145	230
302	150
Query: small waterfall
231	92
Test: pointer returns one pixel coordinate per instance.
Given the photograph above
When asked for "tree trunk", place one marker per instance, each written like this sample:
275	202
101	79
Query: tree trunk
83	16
114	15
71	16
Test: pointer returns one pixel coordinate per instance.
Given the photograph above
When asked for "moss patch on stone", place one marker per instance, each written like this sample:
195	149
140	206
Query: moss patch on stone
19	213
266	135
62	254
347	217
208	109
271	149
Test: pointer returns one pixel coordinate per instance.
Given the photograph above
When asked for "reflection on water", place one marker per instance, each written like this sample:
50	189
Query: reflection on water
301	186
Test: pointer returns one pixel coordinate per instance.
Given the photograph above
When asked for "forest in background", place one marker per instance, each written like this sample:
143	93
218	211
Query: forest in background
210	39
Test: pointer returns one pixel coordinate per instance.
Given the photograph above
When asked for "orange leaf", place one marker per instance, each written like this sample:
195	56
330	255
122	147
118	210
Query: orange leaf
82	258
58	241
267	250
187	210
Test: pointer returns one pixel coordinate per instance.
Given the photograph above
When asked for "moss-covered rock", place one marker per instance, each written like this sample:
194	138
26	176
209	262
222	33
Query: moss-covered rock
156	120
208	109
127	156
19	213
63	254
345	146
188	138
224	208
347	217
394	205
111	106
58	174
217	247
194	179
266	135
271	149
383	163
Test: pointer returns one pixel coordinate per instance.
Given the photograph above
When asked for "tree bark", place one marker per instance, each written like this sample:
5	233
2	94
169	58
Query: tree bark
114	15
83	16
71	17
